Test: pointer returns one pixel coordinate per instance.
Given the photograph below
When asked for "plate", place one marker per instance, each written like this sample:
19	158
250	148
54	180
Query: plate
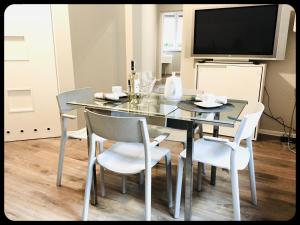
122	95
110	96
121	99
208	104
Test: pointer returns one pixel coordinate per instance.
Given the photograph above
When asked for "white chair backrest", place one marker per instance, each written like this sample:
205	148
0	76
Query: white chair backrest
82	94
248	124
121	129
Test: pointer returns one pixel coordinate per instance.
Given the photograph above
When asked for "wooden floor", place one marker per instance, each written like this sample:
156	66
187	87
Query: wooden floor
30	192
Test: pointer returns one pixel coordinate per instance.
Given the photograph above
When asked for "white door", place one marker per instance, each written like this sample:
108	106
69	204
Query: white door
30	82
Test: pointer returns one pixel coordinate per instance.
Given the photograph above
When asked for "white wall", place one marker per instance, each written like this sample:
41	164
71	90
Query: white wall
144	22
98	46
63	48
137	35
128	29
280	78
281	85
63	52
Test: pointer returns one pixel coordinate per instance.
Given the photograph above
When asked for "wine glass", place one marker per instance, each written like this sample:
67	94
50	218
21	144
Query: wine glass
147	82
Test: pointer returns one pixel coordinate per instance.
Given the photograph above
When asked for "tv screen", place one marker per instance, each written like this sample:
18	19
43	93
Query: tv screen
235	31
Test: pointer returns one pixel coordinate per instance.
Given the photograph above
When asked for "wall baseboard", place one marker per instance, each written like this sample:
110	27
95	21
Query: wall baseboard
274	133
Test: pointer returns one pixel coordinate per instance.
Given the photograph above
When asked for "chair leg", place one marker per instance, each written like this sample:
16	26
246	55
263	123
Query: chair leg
94	200
124	184
199	177
213	168
141	178
148	194
203	169
213	172
63	140
88	187
178	187
252	181
200	131
169	179
235	194
101	174
94	180
102	184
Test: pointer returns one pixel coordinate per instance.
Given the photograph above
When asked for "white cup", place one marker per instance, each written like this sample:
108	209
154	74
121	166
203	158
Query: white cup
116	89
208	97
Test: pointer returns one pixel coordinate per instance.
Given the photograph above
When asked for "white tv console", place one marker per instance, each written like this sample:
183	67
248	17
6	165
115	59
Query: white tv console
236	80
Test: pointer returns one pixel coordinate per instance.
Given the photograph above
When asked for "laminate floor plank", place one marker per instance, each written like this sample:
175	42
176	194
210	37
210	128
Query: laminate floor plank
30	191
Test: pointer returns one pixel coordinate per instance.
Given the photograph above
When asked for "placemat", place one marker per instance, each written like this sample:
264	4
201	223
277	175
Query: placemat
122	99
190	106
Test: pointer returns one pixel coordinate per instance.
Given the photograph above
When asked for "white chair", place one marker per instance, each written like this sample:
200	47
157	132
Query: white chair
225	154
62	99
132	154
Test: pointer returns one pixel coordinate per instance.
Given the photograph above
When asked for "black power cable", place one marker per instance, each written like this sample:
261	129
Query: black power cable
277	119
281	123
280	120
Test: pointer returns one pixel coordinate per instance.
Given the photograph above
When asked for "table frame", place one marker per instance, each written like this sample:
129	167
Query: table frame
189	126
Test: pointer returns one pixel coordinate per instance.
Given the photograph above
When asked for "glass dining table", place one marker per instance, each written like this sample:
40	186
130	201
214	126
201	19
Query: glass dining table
183	115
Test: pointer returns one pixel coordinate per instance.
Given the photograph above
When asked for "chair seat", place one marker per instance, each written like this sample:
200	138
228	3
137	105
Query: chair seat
78	134
218	154
128	158
82	134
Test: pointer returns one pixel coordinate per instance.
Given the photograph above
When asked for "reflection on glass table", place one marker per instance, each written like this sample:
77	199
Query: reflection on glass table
157	105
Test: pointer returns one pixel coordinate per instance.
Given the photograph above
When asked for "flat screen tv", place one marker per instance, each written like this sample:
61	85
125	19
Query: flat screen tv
251	32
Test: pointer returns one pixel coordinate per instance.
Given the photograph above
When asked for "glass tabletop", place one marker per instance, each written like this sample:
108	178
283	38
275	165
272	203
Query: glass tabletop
155	104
